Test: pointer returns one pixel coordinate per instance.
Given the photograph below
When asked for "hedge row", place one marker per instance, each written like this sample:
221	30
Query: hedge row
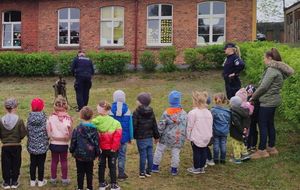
45	64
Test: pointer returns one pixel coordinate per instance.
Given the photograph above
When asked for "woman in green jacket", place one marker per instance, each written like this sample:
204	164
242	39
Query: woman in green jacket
268	94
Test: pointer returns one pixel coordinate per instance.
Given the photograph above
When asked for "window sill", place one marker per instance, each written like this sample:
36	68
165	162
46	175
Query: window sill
111	47
67	47
158	46
11	49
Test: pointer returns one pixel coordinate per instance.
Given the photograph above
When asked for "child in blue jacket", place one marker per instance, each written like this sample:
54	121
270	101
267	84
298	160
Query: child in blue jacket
121	112
221	123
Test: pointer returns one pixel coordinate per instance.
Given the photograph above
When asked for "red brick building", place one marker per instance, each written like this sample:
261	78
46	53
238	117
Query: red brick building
123	25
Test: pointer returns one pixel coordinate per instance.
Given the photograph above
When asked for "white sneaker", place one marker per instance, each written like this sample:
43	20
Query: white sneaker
32	183
210	162
42	183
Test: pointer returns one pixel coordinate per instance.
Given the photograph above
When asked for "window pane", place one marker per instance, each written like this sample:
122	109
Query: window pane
7	35
118	33
6	17
74	26
203	30
204	8
119	12
63	40
166	31
17	27
153	31
63	14
218	7
75	13
106	33
74	40
153	10
63	33
166	10
218	38
218	29
203	39
17	35
15	16
106	13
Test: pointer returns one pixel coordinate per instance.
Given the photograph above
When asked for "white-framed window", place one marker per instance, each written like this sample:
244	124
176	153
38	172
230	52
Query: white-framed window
11	29
68	27
159	25
112	26
211	22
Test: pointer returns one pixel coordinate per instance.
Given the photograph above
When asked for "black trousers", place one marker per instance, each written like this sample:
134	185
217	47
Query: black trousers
37	162
11	163
112	162
232	85
84	168
199	156
82	87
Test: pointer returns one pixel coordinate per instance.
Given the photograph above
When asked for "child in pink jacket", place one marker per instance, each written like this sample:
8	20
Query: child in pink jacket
199	131
59	128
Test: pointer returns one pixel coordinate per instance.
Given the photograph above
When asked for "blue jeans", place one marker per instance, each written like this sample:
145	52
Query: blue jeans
199	156
220	147
145	148
122	158
266	127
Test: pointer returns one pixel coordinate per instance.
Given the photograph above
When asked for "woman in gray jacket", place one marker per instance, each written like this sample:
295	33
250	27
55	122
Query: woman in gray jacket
268	94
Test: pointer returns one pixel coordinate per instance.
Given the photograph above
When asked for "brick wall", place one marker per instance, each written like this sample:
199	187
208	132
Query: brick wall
42	16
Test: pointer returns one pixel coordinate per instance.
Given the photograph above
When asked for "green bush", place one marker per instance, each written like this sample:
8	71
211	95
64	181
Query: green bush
110	63
64	61
167	56
204	58
19	64
148	61
253	53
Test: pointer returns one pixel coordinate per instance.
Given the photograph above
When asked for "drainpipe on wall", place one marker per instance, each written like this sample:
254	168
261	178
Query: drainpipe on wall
136	34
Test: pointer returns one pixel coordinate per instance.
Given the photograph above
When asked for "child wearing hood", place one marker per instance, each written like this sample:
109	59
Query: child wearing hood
38	141
121	112
172	130
59	128
85	148
110	134
145	129
12	131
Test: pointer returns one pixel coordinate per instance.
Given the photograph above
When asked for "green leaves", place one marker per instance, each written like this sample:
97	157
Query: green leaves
167	56
148	61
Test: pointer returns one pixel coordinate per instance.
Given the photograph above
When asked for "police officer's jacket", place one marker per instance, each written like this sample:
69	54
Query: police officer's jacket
82	67
233	64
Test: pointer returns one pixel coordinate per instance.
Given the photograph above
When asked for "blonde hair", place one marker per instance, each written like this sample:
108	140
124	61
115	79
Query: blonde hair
200	99
220	98
60	104
237	51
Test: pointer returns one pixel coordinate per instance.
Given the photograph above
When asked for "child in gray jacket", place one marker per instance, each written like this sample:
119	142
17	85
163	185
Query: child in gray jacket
172	130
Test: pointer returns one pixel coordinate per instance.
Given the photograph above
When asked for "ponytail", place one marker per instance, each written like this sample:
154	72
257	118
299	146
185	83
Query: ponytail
274	54
237	51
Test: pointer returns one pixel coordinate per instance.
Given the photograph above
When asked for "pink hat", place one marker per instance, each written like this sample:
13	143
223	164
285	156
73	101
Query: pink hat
242	93
37	105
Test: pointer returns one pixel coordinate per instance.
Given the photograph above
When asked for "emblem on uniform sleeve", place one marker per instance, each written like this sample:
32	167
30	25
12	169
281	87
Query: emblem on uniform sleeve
236	62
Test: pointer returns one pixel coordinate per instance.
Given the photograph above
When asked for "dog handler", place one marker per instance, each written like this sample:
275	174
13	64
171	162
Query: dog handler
82	69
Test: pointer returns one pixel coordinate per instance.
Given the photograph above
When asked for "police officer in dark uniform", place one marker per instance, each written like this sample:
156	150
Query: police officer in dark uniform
83	70
233	65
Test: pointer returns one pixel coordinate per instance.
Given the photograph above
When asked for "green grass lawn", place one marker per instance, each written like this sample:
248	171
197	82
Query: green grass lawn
280	172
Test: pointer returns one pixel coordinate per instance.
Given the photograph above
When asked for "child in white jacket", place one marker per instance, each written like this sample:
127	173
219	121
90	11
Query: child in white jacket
199	131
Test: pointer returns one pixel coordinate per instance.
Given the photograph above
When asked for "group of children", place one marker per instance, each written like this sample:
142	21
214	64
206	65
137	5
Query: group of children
106	136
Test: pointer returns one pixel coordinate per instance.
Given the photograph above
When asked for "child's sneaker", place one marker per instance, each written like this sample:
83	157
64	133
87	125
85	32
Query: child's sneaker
245	157
272	151
216	161
210	162
222	162
114	186
148	174
103	186
235	161
174	171
142	176
65	182
32	183
42	183
53	181
15	185
196	171
122	177
155	168
5	185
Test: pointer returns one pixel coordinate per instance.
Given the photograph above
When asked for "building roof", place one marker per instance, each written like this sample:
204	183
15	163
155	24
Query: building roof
293	6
